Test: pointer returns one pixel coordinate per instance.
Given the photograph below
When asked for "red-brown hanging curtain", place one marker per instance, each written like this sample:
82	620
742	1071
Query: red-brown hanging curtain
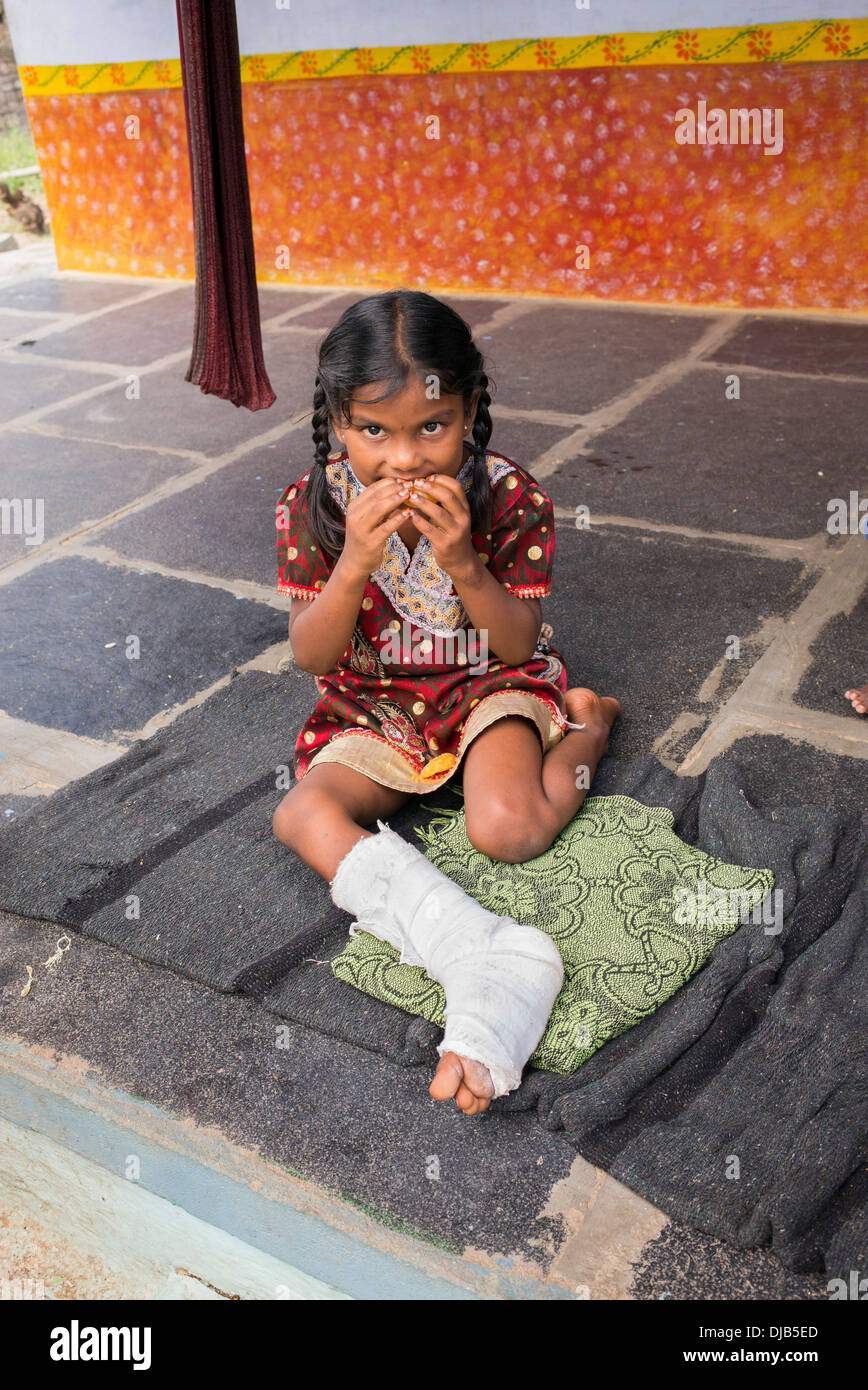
227	356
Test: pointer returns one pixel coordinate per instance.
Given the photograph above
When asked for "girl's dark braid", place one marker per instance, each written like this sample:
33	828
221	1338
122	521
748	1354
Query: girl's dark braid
326	517
320	424
480	492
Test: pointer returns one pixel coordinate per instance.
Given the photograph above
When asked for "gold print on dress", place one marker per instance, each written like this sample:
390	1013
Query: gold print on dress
363	656
398	727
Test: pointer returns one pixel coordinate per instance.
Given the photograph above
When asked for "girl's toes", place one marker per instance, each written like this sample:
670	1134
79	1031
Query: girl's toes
475	1093
478	1079
469	1103
448	1078
468	1082
466	1100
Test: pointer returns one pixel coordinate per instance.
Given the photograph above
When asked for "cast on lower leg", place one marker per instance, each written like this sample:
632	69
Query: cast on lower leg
500	978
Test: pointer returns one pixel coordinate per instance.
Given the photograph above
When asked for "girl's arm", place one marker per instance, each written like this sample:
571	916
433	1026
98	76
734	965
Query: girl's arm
320	629
441	512
319	639
512	623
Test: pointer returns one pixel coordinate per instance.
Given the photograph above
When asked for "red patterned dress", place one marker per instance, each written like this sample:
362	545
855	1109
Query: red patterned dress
416	685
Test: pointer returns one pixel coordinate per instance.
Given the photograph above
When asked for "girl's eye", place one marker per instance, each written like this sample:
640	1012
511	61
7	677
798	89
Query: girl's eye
438	424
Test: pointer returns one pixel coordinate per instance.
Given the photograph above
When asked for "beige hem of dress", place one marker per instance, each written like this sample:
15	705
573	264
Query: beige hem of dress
385	763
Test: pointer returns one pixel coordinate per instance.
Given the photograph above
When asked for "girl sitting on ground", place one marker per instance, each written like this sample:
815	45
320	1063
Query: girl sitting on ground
416	559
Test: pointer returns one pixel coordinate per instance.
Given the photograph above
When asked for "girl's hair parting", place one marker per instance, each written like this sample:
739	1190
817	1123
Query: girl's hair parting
387	337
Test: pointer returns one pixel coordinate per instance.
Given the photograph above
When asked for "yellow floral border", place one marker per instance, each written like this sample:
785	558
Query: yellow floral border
808	41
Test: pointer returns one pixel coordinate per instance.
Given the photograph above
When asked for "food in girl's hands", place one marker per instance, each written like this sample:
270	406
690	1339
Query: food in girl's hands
418	494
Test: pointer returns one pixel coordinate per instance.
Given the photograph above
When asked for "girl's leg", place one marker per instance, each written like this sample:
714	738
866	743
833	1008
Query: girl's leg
516	801
321	818
404	899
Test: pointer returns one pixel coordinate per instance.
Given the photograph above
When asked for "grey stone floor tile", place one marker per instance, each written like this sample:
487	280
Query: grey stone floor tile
647	618
130	336
58	669
276	299
573	358
143	332
323	316
766	464
26	386
174	413
77	482
476	312
840	662
523	441
14	327
224	526
55	294
799	345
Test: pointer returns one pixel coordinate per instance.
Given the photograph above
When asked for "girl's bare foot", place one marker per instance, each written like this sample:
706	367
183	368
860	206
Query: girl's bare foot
469	1082
858	699
584	706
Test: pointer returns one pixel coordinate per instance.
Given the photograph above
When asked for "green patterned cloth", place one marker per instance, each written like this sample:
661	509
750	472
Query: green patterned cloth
634	911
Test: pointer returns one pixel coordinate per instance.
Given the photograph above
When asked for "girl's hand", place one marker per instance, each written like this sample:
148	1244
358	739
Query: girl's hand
441	512
371	518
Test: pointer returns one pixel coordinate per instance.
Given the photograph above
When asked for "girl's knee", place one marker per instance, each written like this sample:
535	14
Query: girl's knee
294	813
282	822
507	833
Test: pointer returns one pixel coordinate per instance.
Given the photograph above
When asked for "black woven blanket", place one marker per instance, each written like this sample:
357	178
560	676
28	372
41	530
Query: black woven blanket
740	1106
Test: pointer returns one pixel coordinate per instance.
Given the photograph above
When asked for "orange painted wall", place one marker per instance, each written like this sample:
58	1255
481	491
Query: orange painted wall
528	165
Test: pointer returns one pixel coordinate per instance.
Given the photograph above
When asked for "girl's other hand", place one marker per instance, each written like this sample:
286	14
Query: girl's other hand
441	512
371	518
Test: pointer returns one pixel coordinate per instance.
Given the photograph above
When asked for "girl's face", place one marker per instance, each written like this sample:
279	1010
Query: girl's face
406	436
